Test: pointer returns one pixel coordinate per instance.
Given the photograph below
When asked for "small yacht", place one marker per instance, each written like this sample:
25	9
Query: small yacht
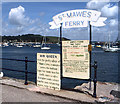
45	48
111	49
1	74
58	44
19	46
44	45
5	45
93	45
36	46
0	45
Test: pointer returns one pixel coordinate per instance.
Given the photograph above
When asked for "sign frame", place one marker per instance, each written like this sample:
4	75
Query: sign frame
48	70
77	18
76	51
59	24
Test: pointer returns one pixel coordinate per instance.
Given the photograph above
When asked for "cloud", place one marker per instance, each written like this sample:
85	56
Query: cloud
13	31
113	22
96	4
18	22
8	29
17	17
104	7
36	26
109	11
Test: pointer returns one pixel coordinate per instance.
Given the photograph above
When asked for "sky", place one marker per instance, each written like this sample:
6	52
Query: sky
33	18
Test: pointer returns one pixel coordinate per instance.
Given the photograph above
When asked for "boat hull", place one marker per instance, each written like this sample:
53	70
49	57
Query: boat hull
45	48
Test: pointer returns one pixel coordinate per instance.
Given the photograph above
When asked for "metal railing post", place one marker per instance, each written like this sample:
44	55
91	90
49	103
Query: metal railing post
95	79
90	53
26	72
61	67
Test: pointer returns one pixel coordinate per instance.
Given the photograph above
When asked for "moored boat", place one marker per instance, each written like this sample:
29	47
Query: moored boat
98	46
19	46
36	46
44	45
111	49
45	48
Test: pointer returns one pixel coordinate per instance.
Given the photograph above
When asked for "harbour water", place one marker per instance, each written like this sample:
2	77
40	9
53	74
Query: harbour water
107	63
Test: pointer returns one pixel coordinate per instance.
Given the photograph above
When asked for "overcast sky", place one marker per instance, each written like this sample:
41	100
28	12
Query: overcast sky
33	17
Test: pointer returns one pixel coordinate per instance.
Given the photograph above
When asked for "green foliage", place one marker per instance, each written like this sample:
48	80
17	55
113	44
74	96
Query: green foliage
30	38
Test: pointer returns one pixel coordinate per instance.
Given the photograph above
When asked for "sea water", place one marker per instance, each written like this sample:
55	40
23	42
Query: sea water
107	70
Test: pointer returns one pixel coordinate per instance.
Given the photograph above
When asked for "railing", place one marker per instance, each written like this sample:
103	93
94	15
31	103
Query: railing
26	71
23	71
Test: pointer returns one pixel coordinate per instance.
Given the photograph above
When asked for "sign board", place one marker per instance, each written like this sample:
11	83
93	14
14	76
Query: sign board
89	15
77	18
76	59
48	70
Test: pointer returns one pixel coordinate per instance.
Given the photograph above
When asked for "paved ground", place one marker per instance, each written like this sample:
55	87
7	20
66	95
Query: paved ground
76	96
14	90
13	94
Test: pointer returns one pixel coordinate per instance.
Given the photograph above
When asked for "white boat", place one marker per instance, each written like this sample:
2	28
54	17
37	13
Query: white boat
93	45
19	46
1	74
36	46
44	46
0	45
108	48
5	45
58	44
104	47
111	49
11	44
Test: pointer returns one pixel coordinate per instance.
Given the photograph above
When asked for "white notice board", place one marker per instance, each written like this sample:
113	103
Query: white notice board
48	70
76	59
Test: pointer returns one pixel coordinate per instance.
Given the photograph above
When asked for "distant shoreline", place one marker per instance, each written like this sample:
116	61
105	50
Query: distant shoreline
31	38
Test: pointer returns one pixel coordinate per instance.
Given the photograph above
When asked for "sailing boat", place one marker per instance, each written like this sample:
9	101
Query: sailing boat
58	42
37	44
109	48
104	46
44	46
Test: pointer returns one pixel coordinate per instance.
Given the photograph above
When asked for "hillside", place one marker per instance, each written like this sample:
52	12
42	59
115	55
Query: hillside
30	38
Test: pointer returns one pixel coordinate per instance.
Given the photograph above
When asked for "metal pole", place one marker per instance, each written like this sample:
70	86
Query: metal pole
61	53
90	43
95	78
26	60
